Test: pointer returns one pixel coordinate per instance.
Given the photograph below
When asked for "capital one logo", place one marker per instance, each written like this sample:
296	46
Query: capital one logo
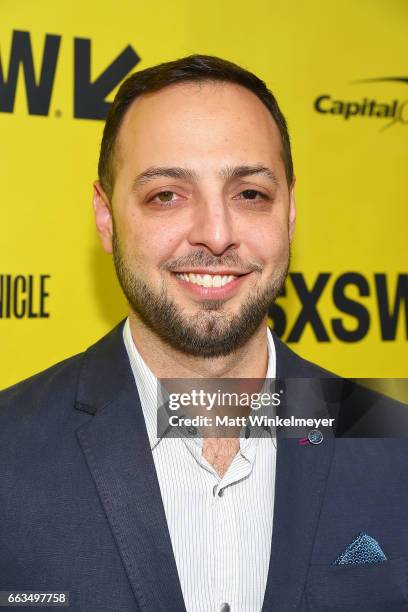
89	94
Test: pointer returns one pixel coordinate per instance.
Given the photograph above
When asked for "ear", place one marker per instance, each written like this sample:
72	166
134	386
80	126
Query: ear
292	210
103	216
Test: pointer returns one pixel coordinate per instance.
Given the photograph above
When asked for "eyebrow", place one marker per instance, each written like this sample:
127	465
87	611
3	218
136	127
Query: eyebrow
168	172
186	174
233	172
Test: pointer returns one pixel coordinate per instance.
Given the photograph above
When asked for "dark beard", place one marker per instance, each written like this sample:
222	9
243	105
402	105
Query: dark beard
206	334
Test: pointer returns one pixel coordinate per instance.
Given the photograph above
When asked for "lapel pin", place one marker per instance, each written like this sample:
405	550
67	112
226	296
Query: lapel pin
313	437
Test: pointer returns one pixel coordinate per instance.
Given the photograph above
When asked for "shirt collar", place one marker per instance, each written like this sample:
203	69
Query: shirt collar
146	381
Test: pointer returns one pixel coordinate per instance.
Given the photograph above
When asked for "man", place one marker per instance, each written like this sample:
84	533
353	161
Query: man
195	200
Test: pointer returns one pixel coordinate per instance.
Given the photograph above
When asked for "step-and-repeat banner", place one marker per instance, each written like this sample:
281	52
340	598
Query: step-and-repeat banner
340	74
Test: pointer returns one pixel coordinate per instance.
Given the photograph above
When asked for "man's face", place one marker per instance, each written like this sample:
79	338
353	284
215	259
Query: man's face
201	216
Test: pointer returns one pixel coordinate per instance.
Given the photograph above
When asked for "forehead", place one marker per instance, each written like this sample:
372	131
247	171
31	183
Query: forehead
195	123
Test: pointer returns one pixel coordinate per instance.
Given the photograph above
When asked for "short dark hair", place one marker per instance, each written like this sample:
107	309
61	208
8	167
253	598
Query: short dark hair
194	68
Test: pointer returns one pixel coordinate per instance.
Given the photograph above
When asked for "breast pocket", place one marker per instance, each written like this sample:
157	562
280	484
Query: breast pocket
371	587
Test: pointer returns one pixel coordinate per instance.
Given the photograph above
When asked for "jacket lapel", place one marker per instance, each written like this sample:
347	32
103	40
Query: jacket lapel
115	444
118	454
301	475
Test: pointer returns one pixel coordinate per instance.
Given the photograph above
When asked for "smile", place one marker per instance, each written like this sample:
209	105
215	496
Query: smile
202	285
207	280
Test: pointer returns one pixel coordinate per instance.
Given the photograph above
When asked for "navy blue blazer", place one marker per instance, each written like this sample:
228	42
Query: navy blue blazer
81	510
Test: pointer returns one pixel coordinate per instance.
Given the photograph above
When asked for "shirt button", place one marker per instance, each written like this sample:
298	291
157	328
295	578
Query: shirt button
225	607
220	494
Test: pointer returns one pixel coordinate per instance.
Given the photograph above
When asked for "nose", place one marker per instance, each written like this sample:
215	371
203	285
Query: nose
213	226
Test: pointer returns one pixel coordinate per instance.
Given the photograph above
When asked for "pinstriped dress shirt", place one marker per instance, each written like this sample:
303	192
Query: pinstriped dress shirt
220	527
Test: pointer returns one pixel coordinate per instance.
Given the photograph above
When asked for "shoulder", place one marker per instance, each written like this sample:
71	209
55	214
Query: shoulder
55	384
37	417
291	365
53	388
359	410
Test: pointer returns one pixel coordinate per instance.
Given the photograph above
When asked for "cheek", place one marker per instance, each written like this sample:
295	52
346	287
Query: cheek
269	243
151	244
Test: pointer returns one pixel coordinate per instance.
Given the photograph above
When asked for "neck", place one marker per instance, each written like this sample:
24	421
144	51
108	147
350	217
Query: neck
248	361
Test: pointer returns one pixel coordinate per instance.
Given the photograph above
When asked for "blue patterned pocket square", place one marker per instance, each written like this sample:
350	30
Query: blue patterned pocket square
364	549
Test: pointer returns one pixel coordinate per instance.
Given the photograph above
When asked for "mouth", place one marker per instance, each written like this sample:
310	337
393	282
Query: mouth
211	285
207	280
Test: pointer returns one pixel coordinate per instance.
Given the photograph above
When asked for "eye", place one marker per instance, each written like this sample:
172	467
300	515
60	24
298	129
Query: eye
252	194
164	198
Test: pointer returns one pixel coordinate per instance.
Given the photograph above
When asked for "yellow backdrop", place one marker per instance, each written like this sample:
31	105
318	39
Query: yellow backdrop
338	72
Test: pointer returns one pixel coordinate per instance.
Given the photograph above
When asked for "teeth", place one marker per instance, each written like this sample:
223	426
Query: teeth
207	280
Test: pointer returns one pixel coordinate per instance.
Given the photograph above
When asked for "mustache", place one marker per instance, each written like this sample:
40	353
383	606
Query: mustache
205	259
